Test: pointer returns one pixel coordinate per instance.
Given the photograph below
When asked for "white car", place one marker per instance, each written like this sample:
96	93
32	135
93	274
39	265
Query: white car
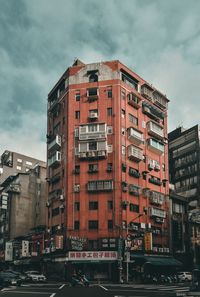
36	276
184	276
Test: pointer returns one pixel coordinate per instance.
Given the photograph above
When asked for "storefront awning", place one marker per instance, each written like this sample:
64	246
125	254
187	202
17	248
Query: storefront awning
162	261
157	261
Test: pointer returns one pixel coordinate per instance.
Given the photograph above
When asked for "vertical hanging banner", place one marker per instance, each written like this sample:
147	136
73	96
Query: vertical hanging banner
9	251
148	241
25	248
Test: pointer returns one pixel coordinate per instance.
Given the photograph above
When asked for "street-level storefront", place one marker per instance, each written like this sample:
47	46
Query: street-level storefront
141	265
96	265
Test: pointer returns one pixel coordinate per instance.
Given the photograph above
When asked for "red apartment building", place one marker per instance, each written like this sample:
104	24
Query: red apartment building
107	168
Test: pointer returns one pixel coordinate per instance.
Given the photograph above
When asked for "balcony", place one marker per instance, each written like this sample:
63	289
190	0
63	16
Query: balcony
155	130
134	190
160	100
133	172
93	131
147	92
133	100
54	160
152	111
135	136
92	94
156	146
135	153
156	198
155	181
55	144
157	212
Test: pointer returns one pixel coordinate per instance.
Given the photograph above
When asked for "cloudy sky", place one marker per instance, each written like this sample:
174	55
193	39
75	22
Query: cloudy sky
160	40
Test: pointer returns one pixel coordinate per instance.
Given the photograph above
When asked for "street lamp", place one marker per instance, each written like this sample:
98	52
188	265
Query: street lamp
127	247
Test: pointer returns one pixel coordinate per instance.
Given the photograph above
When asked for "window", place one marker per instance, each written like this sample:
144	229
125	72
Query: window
19	168
92	92
93	77
109	167
129	80
123	167
110	224
100	185
123	150
19	160
109	129
110	205
77	169
93	168
93	225
76	206
78	96
92	128
123	131
109	111
29	163
56	129
76	225
55	211
77	114
92	146
123	113
133	119
93	205
123	95
134	207
109	93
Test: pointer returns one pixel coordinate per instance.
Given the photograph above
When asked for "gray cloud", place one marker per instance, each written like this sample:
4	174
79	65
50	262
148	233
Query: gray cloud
39	39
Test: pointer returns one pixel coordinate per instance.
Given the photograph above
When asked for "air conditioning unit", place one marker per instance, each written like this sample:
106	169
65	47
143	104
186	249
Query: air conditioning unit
61	197
160	250
91	154
125	203
76	188
147	109
48	204
93	115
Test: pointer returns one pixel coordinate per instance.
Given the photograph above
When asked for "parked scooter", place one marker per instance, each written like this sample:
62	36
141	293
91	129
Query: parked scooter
79	281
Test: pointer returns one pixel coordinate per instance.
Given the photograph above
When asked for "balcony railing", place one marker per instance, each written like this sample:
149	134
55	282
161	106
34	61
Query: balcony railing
133	100
156	146
133	172
152	111
155	130
55	159
102	154
157	212
55	143
155	181
147	92
134	153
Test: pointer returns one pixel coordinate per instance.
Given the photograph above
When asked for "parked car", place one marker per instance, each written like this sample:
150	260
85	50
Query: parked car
9	279
22	276
36	276
184	276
